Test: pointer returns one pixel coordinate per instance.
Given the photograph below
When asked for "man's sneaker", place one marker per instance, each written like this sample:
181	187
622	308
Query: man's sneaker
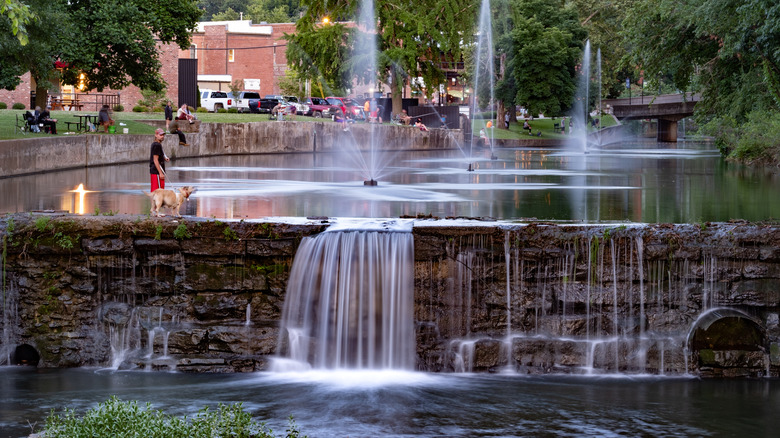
181	143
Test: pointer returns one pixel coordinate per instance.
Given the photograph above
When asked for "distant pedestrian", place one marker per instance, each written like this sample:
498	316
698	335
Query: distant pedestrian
157	159
168	116
506	120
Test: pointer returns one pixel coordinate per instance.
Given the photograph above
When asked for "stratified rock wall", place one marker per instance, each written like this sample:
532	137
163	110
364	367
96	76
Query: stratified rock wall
206	296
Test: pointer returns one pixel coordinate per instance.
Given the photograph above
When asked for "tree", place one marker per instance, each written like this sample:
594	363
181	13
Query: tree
18	15
727	49
44	44
411	38
273	11
211	7
226	15
116	44
545	47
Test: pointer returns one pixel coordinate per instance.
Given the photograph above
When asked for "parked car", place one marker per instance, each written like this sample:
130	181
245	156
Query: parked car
292	100
268	104
346	104
318	107
300	108
247	101
213	100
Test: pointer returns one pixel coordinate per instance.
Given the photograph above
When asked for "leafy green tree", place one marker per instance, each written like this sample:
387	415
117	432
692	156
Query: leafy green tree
226	15
727	49
211	7
411	38
44	44
274	11
116	44
18	15
544	51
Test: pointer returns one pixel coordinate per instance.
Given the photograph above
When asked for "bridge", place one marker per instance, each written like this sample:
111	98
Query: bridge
667	108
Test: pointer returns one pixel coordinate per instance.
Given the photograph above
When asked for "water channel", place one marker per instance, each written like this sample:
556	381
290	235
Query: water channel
406	404
648	182
636	182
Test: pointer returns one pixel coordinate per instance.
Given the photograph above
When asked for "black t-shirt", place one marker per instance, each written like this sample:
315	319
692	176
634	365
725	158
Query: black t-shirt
156	150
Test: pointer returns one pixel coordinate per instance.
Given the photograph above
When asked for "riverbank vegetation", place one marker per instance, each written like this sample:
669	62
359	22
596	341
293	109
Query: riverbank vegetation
117	418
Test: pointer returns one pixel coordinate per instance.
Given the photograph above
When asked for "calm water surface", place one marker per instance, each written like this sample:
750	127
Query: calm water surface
686	182
372	404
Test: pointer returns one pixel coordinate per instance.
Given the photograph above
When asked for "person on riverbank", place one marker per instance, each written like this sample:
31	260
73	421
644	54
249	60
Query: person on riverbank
46	120
157	159
184	114
527	126
484	138
168	116
104	118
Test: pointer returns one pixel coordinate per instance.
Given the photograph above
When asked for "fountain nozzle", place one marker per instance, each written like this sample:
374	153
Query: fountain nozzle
493	157
370	182
471	168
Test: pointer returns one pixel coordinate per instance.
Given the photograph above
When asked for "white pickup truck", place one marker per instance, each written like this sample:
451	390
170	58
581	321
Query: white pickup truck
213	100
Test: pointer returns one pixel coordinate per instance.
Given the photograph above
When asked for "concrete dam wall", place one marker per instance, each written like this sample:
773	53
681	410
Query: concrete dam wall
200	295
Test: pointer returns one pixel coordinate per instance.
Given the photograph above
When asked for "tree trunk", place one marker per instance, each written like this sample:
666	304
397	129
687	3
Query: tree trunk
41	95
395	92
501	105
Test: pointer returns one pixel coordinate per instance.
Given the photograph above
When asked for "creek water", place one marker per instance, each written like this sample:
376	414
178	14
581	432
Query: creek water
397	404
686	182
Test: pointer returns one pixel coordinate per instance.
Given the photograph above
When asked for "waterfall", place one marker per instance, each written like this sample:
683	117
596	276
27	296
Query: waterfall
349	302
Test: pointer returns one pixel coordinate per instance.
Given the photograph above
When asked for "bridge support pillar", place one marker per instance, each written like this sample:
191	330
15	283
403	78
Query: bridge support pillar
667	130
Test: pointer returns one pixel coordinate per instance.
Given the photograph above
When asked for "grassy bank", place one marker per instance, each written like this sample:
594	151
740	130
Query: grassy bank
133	122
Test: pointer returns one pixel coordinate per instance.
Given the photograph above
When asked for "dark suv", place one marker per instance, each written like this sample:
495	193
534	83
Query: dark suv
318	107
266	105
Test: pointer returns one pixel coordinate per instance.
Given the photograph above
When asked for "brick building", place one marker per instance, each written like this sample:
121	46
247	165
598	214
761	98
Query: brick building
252	54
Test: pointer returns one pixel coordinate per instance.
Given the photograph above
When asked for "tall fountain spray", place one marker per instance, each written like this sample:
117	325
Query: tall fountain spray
484	75
579	119
365	60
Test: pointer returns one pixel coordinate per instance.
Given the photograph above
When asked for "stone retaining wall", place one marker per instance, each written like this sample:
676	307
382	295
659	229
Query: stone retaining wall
205	295
47	153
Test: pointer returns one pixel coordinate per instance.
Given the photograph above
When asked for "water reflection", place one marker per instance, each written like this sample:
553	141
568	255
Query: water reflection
639	182
409	404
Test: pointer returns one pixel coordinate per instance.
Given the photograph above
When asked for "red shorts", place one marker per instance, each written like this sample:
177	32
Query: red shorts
157	182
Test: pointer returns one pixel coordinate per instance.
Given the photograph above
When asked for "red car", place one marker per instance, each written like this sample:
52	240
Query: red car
318	107
347	104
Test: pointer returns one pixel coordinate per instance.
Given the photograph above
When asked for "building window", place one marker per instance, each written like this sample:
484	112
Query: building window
231	55
193	51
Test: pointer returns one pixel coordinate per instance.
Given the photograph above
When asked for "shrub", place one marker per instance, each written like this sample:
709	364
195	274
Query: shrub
221	110
158	109
201	110
18	105
140	109
232	110
3	105
118	418
118	108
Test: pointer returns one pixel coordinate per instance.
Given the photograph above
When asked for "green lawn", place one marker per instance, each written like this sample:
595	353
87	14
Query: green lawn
131	121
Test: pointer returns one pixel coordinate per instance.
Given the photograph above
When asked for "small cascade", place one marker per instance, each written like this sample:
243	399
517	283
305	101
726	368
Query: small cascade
349	302
597	307
123	339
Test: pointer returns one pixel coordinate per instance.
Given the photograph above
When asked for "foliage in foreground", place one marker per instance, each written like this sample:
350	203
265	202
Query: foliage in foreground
115	418
756	140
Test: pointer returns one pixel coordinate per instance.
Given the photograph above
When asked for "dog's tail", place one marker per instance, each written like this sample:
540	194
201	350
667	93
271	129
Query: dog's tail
149	194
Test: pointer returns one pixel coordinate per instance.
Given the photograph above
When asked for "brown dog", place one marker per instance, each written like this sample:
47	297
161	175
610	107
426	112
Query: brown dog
170	199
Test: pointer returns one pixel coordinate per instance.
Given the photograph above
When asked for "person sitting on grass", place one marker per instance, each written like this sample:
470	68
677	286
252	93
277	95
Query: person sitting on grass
104	118
46	120
527	126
